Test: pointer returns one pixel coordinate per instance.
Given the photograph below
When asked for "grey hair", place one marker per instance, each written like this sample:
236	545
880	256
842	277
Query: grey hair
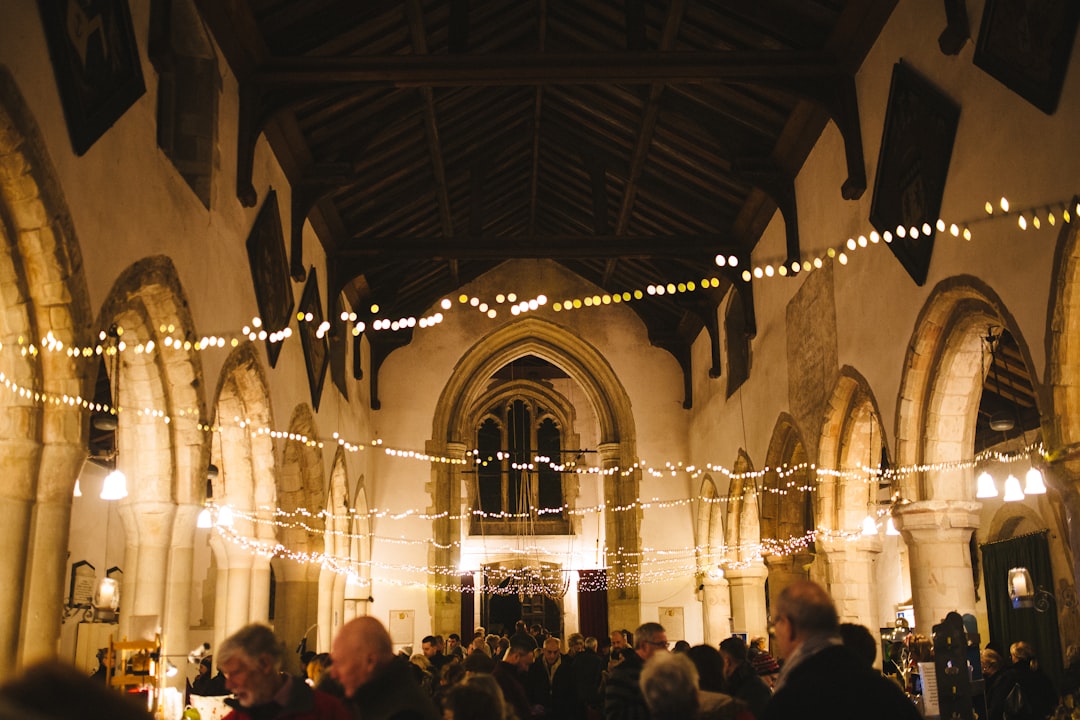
253	640
646	632
669	682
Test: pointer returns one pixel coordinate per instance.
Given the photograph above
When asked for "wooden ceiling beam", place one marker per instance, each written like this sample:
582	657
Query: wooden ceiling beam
697	247
512	69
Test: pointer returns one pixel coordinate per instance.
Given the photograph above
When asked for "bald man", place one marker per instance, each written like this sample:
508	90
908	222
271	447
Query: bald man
378	685
821	678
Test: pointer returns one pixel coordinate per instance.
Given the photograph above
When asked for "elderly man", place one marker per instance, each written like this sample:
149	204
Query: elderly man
820	677
250	659
622	696
377	684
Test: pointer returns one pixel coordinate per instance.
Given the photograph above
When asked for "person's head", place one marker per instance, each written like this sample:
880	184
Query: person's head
536	630
477	698
991	661
251	659
53	690
451	674
316	668
421	661
362	646
552	651
669	683
618	641
575	643
733	652
430	646
592	644
519	626
1023	654
479	645
649	639
803	610
859	640
452	641
205	665
710	667
477	663
519	653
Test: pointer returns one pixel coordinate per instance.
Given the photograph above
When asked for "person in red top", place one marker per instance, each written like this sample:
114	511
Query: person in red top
251	660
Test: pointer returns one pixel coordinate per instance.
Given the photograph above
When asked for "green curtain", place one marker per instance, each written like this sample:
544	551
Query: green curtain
1008	625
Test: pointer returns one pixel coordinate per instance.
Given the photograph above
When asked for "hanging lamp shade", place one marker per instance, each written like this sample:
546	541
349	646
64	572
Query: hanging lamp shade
1034	484
890	528
115	486
225	515
987	488
1013	493
869	526
204	521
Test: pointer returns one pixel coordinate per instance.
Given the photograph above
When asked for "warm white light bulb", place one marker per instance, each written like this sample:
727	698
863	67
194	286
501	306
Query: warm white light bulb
115	486
1013	493
1034	484
986	486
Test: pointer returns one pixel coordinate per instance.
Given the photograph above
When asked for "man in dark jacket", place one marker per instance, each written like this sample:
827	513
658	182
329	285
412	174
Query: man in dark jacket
622	696
377	684
821	678
250	660
740	679
511	673
549	683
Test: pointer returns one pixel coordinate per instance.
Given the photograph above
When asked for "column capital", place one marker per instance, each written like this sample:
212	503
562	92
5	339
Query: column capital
742	575
937	520
609	453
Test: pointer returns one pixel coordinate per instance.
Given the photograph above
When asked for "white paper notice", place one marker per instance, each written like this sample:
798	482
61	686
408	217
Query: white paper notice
928	673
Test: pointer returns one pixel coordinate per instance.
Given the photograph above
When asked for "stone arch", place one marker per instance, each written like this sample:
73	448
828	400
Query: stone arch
1013	520
337	545
159	441
743	567
606	394
710	527
1062	426
42	445
786	507
245	483
300	488
852	438
940	391
942	382
358	581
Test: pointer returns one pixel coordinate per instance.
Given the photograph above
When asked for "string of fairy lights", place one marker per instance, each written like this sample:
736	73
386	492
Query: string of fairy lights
662	565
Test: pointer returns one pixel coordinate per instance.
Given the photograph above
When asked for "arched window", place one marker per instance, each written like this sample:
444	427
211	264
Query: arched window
737	343
519	480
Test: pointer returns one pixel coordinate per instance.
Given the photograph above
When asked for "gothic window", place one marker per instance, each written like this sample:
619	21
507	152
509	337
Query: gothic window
519	487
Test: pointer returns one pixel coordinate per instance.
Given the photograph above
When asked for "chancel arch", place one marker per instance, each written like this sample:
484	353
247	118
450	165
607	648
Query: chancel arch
453	430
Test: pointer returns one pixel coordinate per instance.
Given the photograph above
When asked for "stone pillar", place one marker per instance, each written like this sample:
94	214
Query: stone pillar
849	576
747	588
46	586
326	610
786	569
622	530
292	620
716	609
259	597
20	459
153	525
446	497
174	634
937	533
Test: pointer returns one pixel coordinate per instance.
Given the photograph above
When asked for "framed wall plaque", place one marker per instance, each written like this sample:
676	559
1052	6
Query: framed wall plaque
96	63
270	272
316	349
1026	46
913	165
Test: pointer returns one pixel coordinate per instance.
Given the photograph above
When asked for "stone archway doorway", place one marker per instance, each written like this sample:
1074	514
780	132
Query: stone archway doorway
509	596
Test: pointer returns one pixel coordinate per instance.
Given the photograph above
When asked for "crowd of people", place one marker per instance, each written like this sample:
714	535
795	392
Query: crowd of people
821	669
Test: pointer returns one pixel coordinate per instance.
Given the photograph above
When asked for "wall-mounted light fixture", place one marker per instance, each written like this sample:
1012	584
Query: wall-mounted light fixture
1021	588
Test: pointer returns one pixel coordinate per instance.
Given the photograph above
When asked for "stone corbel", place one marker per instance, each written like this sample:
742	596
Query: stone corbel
957	28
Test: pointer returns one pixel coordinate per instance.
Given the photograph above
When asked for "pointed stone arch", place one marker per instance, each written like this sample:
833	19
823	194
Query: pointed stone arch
744	568
710	550
245	481
42	445
940	391
300	488
451	436
1063	352
786	506
337	545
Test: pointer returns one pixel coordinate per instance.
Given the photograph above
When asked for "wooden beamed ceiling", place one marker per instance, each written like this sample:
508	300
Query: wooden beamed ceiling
629	140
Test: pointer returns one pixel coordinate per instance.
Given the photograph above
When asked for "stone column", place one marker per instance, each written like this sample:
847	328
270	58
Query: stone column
937	533
849	576
786	569
176	622
326	610
716	609
622	530
45	588
153	524
20	457
259	590
446	497
747	588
